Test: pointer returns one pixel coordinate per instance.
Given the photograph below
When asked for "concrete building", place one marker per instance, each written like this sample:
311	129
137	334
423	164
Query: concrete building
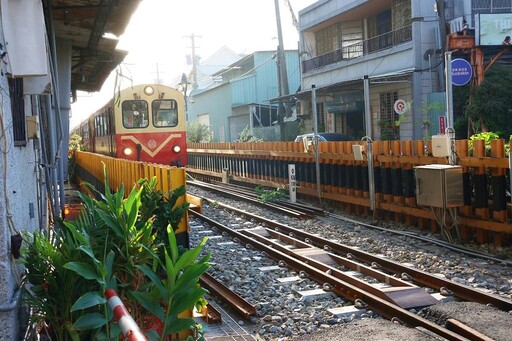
398	46
48	51
241	94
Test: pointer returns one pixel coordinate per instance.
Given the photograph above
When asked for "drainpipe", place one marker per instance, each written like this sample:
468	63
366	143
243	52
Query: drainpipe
54	137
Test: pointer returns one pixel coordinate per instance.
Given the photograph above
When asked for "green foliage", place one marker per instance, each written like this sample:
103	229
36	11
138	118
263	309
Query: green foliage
113	244
487	137
269	195
75	143
199	133
247	135
490	103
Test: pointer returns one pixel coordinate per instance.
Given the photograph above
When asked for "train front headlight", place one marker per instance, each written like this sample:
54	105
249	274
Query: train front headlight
148	90
127	151
176	148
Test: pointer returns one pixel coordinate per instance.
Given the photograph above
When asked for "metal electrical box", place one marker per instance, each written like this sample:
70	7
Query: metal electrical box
439	186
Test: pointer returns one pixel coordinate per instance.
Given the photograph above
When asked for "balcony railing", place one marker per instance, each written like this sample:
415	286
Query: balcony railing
365	47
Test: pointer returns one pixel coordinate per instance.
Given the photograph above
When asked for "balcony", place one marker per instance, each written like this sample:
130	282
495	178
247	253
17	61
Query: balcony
365	47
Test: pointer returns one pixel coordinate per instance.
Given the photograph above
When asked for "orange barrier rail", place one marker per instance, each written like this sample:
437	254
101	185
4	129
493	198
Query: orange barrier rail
89	168
344	181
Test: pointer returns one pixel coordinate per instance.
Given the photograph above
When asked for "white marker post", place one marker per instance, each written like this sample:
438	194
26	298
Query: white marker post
292	183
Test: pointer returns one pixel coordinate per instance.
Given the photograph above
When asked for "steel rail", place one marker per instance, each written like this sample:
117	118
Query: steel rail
461	291
238	303
402	293
382	307
285	210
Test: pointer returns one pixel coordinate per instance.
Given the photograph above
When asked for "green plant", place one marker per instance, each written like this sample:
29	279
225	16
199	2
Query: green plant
75	143
175	290
247	135
487	137
199	133
112	245
269	195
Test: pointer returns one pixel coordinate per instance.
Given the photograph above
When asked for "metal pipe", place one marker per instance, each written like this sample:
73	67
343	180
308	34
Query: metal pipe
449	95
368	137
315	144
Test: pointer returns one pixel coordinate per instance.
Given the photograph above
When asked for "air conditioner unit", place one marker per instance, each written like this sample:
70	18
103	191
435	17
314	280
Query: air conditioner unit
302	107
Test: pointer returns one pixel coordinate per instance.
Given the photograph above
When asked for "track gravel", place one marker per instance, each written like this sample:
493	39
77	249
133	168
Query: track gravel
282	316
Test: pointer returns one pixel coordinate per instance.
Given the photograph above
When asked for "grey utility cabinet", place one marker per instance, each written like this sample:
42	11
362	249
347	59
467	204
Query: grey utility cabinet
439	186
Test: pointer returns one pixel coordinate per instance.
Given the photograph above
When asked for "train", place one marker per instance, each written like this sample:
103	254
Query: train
145	122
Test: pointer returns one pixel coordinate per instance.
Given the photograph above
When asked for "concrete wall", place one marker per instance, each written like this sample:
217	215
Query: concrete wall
19	202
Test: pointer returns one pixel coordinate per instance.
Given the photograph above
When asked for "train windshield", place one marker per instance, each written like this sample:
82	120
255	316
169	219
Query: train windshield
165	113
135	114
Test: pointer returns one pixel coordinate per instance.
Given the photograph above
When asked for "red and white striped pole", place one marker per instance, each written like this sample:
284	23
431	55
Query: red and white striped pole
128	326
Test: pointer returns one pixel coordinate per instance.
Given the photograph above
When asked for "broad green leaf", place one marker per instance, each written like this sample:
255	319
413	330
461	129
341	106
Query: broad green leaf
153	335
85	270
186	299
112	223
191	275
169	267
149	303
178	325
190	256
90	321
154	279
88	300
77	235
88	251
172	244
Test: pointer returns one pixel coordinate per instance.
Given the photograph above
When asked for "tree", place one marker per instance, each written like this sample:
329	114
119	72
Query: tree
247	135
489	107
199	133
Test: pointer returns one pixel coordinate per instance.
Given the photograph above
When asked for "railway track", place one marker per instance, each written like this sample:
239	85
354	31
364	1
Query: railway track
391	289
291	209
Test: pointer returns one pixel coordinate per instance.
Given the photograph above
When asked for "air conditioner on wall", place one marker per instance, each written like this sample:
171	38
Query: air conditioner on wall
302	107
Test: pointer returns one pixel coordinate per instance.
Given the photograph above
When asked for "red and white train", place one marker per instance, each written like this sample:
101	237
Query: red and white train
143	123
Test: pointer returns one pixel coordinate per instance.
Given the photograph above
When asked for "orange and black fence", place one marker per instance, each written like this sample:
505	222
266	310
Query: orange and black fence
484	217
90	168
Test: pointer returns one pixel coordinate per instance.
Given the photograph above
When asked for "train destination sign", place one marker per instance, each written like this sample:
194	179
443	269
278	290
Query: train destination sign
461	72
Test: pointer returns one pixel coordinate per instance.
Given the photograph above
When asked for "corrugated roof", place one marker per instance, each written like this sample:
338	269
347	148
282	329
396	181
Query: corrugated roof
84	23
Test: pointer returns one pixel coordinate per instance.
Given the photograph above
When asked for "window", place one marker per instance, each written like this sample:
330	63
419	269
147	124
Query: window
135	114
18	111
388	129
165	113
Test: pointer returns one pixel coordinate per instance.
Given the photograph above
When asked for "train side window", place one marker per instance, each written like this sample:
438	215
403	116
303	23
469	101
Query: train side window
135	114
165	113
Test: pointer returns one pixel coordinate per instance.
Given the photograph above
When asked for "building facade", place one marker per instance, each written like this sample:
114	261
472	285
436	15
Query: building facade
46	55
398	46
242	96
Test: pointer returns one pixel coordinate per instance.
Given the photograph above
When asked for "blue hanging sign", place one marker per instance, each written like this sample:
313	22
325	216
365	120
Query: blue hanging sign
461	72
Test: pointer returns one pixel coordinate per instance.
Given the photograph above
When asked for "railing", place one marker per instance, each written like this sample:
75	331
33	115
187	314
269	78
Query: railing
344	181
365	47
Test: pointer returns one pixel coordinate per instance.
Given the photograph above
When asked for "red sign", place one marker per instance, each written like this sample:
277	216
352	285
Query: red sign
442	124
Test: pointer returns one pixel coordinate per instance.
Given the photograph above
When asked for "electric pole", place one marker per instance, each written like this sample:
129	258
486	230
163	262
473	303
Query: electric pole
193	59
282	74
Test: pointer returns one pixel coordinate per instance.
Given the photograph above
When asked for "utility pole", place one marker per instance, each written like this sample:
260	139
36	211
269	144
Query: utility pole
282	74
441	13
194	59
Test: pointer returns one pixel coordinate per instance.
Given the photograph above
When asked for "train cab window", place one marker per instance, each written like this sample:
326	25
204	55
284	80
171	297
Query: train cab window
165	113
135	114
